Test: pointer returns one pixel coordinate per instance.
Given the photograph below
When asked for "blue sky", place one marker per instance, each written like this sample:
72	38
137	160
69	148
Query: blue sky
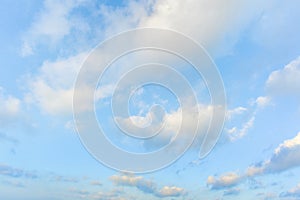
255	46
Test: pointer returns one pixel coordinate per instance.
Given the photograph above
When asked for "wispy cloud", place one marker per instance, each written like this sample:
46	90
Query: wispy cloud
14	183
96	183
7	170
7	138
232	191
294	192
51	25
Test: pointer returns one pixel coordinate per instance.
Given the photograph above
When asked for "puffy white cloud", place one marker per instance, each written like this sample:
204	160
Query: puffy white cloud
170	124
209	22
147	186
286	156
170	191
288	144
285	81
214	20
263	101
52	88
254	170
224	181
139	182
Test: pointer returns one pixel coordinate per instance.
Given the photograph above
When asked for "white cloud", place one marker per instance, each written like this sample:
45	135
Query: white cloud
263	101
10	108
170	124
285	81
170	191
288	144
147	186
139	182
235	133
236	111
52	88
208	22
213	23
52	101
50	25
224	181
121	19
286	156
254	170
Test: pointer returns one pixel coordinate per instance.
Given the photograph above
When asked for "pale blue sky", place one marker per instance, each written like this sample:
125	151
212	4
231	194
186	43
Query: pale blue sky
255	46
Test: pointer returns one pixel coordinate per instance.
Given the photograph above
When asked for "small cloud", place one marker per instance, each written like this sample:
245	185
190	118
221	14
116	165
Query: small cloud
96	183
26	49
236	111
139	182
263	101
59	178
235	133
170	191
147	186
10	108
79	191
224	181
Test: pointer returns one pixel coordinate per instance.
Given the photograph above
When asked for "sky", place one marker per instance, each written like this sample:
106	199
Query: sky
48	144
